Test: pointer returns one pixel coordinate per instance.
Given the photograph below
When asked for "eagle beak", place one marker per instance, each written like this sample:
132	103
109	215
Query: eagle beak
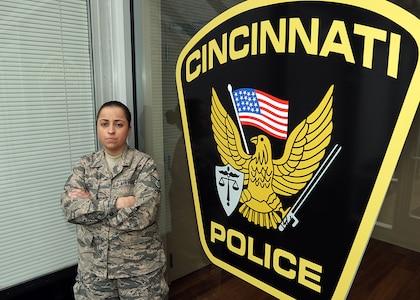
254	140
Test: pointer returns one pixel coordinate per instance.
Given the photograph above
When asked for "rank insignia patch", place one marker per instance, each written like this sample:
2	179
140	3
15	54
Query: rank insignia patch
294	115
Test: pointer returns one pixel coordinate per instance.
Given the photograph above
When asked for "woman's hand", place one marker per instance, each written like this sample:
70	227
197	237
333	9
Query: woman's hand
123	202
77	193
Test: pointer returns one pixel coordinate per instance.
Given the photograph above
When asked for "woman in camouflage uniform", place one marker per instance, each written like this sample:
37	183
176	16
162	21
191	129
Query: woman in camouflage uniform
113	196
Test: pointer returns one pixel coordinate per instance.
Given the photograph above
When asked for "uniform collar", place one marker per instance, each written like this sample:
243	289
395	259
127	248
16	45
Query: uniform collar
99	158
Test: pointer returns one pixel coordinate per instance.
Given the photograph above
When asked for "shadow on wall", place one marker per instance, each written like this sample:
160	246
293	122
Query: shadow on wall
185	252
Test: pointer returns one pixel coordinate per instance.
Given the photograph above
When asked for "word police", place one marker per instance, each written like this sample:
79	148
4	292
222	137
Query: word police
246	40
305	272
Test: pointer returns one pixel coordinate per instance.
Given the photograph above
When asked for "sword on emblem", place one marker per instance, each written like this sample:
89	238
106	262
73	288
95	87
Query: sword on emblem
291	215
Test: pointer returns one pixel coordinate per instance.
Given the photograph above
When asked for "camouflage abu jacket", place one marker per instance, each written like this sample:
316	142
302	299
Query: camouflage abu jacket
116	244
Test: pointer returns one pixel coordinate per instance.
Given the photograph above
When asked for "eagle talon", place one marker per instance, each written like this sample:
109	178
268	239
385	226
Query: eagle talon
284	212
273	201
246	196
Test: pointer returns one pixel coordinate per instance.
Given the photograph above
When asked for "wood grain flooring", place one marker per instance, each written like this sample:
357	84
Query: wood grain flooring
387	272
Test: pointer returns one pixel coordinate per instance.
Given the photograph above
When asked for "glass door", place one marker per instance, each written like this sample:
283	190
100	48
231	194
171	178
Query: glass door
161	30
399	219
180	20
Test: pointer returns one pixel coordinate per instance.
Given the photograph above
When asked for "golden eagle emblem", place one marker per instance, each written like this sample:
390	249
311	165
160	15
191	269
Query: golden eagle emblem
266	179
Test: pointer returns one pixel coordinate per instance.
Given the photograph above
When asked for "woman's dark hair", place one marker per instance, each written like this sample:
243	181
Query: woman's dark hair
117	104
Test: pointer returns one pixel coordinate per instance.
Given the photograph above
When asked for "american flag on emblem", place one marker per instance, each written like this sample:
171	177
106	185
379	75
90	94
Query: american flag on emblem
264	111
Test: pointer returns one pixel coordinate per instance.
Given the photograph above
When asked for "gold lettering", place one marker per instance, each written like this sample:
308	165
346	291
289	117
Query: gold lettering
296	29
190	76
394	55
370	34
254	39
277	255
251	256
306	271
217	232
241	249
214	50
278	42
204	59
267	256
242	52
338	28
284	263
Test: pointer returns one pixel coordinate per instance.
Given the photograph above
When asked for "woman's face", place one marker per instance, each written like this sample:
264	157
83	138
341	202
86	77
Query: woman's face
113	129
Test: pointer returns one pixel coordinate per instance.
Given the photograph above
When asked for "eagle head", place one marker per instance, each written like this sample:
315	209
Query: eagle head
263	153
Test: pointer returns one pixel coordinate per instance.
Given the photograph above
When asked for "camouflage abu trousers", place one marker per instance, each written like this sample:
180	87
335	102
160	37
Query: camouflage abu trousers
148	286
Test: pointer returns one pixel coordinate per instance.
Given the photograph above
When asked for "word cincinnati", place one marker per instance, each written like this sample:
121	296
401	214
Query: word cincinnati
246	40
284	263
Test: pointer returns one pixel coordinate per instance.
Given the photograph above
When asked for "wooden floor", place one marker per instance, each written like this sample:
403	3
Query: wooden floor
387	272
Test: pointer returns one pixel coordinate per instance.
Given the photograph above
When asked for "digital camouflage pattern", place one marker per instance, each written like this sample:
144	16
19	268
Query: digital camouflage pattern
116	244
147	287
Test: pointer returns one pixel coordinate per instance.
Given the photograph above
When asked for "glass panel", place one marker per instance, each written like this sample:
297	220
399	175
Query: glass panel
386	215
180	20
415	197
161	29
414	208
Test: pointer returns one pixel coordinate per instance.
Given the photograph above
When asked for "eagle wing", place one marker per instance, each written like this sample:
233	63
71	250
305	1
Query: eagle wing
227	137
305	148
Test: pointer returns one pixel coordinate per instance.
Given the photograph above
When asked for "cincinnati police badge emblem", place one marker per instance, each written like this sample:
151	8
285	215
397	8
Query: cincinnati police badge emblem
294	116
